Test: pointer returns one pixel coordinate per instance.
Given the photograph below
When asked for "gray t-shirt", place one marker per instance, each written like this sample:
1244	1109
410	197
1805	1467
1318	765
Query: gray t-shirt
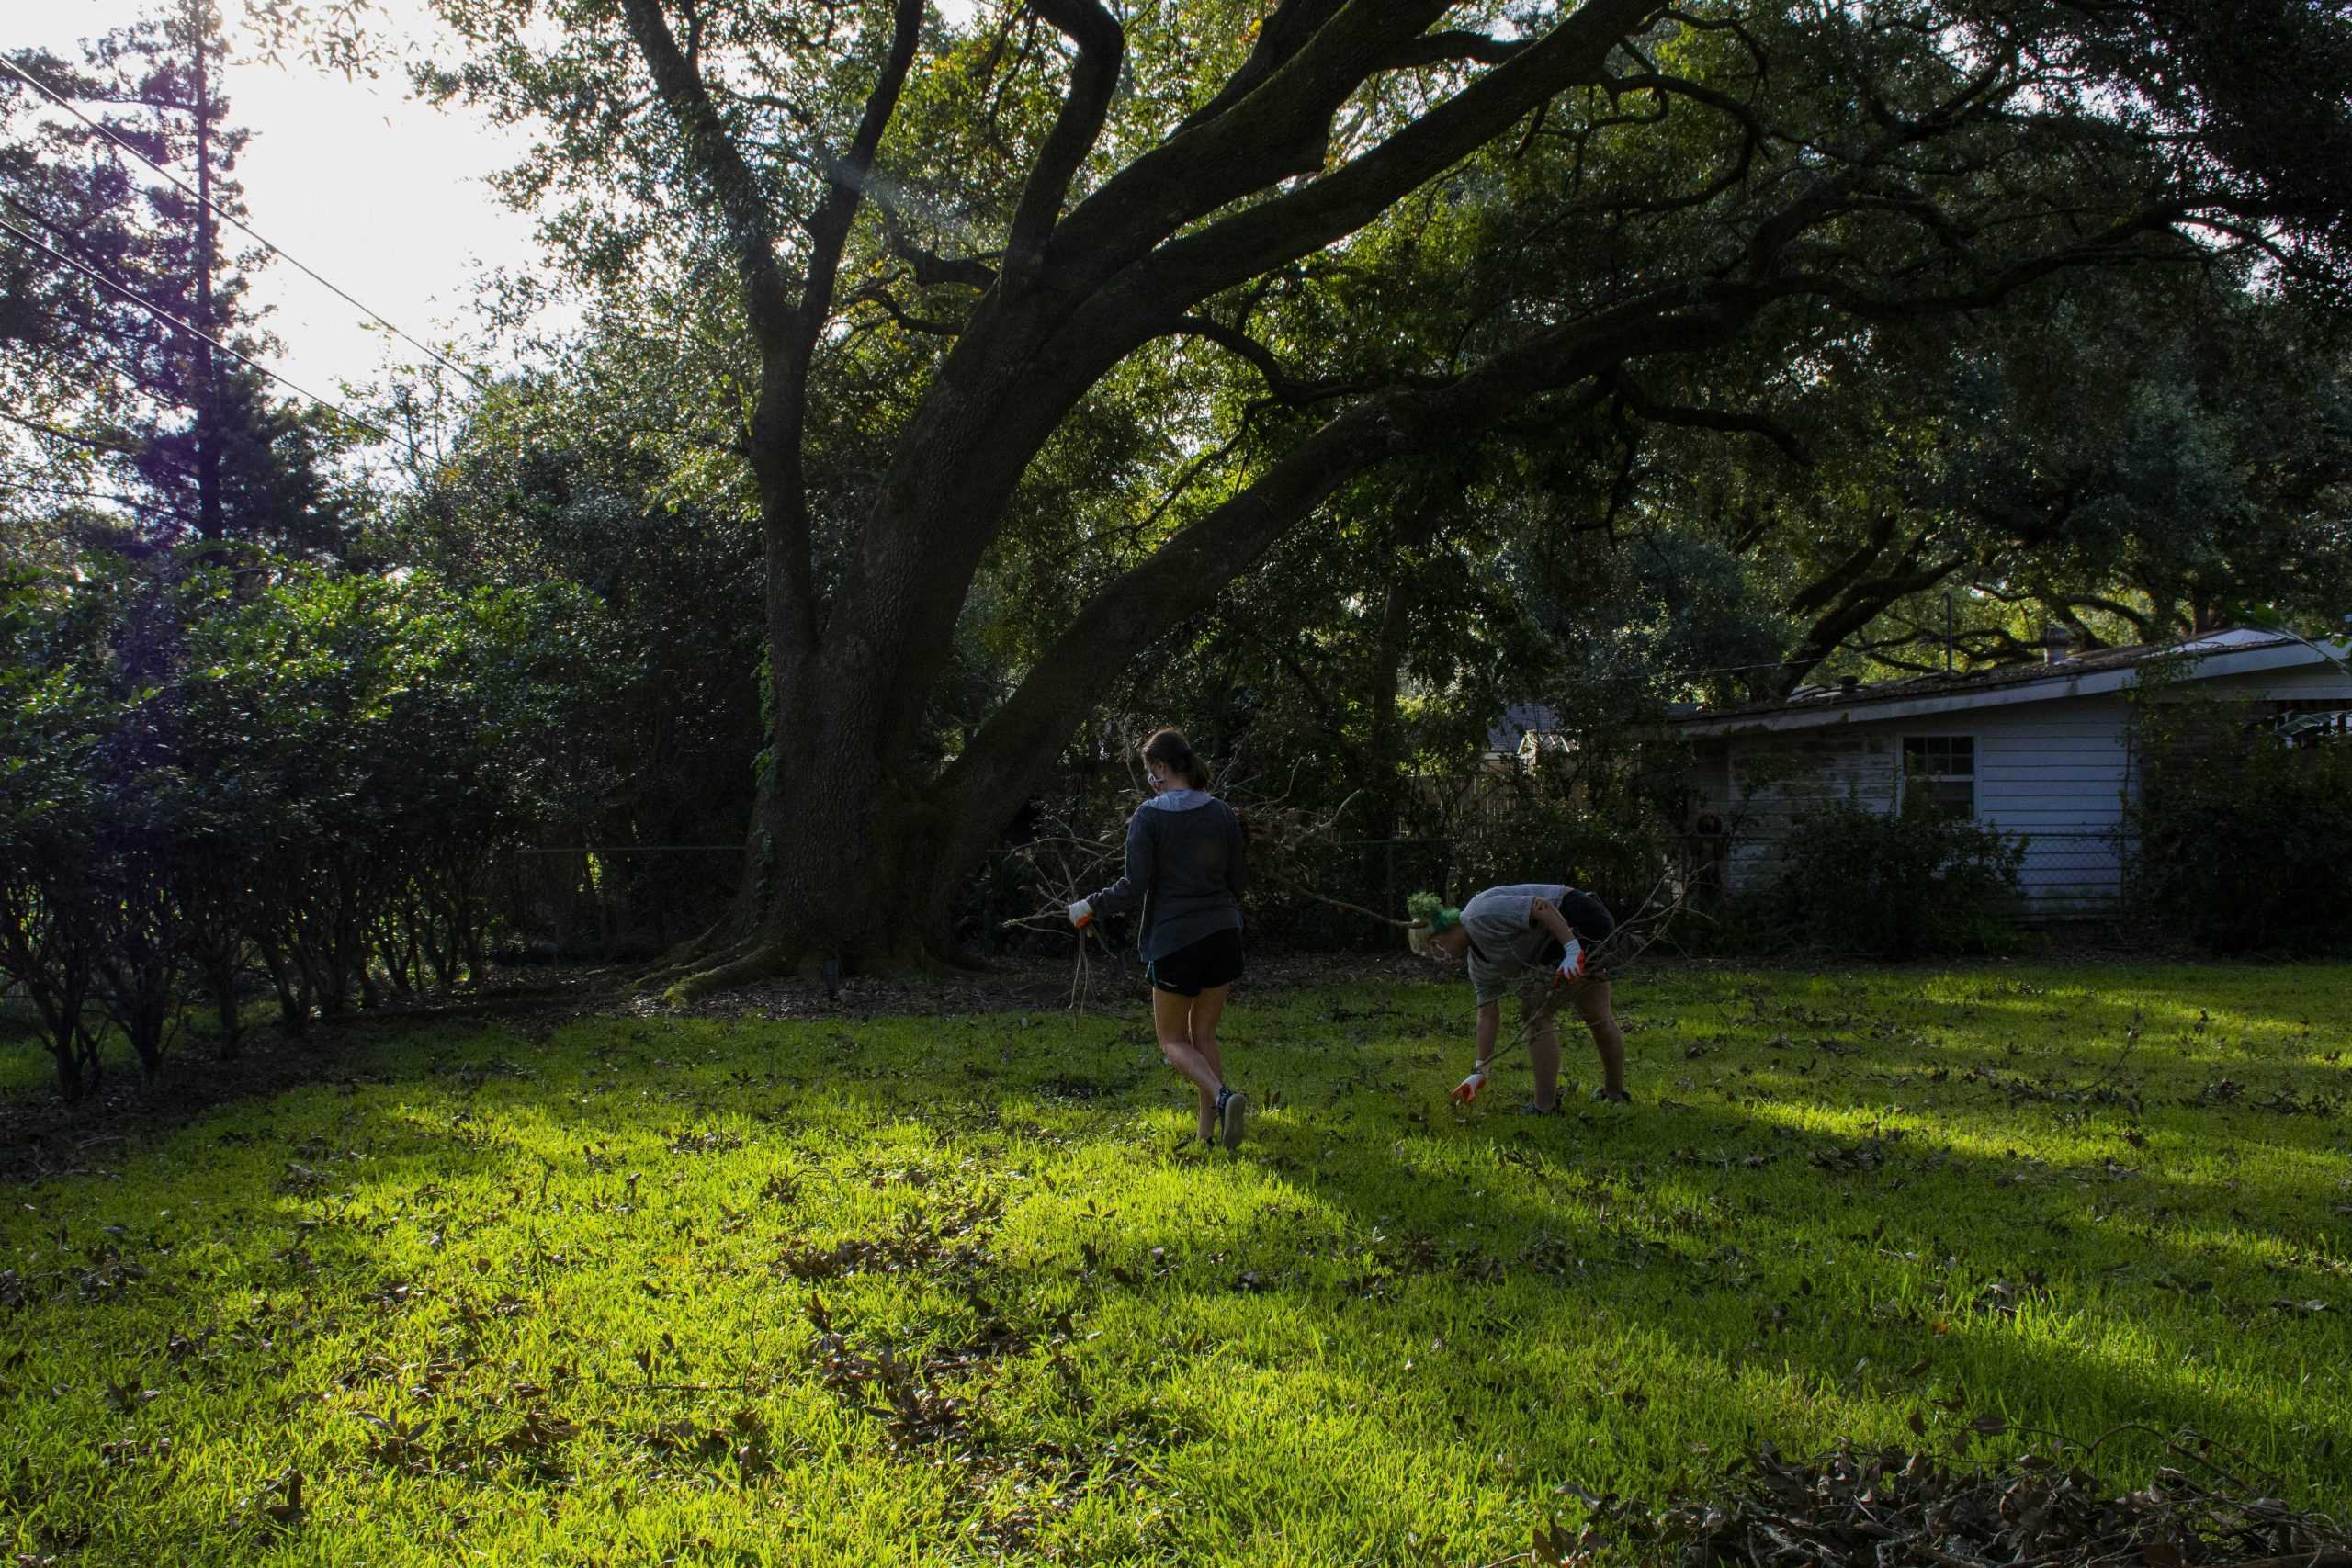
1504	938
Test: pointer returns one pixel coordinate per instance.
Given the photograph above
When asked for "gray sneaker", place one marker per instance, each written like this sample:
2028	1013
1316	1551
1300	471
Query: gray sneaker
1613	1096
1531	1109
1233	1113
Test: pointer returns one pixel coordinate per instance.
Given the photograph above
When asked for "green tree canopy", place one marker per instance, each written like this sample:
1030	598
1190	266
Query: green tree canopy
1116	307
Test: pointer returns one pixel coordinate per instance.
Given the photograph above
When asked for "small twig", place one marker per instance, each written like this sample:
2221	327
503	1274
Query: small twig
1288	885
1048	859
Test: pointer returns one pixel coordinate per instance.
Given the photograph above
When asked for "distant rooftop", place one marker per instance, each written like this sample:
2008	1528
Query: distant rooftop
1915	688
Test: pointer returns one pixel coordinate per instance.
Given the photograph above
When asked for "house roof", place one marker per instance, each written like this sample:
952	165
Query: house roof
2233	652
1506	733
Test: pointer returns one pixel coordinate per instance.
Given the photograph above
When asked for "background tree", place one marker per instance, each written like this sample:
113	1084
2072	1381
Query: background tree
614	477
123	418
2134	455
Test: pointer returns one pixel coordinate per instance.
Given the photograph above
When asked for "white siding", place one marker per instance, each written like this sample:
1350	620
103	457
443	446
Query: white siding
2307	683
1772	780
2054	771
2056	774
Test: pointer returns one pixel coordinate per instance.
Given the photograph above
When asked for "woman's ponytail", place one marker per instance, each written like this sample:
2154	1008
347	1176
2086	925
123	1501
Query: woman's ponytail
1171	750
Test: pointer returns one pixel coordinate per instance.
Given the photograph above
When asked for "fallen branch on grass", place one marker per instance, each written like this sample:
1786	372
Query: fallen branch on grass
1891	1508
1065	868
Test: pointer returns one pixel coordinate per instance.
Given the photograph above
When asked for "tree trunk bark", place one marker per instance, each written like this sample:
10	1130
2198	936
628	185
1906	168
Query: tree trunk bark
843	856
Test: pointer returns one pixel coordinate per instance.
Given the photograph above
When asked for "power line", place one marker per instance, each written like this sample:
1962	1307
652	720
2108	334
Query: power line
58	493
274	248
165	316
89	269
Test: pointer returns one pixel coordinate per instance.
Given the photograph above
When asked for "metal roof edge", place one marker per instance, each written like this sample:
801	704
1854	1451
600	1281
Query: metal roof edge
1830	713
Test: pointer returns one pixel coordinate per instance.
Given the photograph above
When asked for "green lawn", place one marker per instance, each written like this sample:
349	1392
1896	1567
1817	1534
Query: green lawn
952	1289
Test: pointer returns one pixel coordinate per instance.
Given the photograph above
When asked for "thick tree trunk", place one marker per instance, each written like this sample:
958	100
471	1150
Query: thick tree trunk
835	837
843	857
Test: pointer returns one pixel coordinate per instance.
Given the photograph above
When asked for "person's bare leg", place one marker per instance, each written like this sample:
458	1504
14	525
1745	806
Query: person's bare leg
1207	1007
1592	1006
1171	1021
1232	1120
1206	1122
1542	1048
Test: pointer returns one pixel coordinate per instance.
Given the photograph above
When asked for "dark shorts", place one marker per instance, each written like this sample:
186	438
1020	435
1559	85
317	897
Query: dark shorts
1203	966
1587	917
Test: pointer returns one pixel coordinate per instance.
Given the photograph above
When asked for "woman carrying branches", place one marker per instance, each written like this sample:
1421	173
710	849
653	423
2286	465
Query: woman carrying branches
1185	868
1544	931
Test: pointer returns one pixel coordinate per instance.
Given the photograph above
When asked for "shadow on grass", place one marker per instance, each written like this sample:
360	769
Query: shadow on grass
1831	1263
1585	1300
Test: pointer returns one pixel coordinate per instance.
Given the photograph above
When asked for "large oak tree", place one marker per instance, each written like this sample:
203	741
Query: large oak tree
1326	235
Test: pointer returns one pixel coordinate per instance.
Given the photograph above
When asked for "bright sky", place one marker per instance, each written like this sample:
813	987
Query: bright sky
382	195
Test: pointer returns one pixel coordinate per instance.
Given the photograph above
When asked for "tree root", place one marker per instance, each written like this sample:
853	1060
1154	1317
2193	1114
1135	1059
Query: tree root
688	955
742	966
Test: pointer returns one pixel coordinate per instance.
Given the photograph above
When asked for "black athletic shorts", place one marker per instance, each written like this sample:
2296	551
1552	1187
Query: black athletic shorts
1203	966
1587	917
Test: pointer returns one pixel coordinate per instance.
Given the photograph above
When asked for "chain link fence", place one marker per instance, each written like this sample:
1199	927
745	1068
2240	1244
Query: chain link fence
611	904
2077	876
2084	874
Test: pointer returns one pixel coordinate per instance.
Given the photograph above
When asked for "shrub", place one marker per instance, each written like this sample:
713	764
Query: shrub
2242	839
1896	885
201	767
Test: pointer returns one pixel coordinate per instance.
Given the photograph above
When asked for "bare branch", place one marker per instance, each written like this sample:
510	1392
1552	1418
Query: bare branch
829	231
1280	383
1193	470
879	296
55	433
1726	419
743	207
2110	248
931	269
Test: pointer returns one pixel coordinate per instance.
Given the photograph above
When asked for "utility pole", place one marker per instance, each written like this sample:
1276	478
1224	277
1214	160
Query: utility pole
208	389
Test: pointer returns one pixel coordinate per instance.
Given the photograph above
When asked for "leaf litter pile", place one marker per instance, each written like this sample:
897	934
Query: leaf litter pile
1897	1508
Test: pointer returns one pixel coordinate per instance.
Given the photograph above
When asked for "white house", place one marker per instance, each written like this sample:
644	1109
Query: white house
2041	751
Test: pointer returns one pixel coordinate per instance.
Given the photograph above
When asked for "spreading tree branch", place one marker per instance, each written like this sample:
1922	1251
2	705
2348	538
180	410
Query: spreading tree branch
1197	172
1725	420
1101	44
1280	383
1185	575
1438	48
743	207
931	269
847	179
1280	38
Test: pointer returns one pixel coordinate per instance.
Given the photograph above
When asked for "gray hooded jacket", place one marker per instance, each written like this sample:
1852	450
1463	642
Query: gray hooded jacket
1184	867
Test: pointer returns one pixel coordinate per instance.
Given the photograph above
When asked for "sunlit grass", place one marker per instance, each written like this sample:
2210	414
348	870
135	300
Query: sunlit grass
957	1290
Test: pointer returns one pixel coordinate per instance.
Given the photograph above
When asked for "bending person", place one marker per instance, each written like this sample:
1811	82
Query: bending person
1537	934
1185	868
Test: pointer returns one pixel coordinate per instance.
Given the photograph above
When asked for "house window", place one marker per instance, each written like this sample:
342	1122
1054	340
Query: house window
1941	769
